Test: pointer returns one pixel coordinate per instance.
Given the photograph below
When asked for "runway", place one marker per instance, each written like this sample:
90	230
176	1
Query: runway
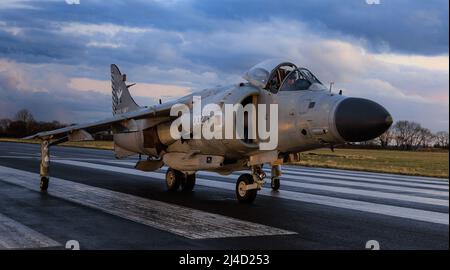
104	203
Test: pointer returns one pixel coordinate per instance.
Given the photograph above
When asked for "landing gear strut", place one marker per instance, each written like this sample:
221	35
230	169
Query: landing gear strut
275	180
248	185
44	167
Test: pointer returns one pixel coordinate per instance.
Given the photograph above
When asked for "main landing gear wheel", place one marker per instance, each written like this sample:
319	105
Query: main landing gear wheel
44	183
173	179
242	193
275	183
188	182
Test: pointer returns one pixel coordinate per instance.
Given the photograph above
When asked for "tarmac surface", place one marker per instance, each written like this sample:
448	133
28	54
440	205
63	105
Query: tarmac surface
104	203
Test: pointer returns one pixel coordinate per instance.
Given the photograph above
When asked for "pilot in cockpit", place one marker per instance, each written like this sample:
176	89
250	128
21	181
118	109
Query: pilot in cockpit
295	81
274	84
289	85
291	81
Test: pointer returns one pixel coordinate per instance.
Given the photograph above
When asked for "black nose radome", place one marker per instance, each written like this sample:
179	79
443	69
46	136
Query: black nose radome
359	119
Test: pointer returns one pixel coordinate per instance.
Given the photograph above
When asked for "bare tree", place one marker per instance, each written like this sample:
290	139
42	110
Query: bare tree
386	138
442	139
425	138
400	129
4	124
25	116
407	134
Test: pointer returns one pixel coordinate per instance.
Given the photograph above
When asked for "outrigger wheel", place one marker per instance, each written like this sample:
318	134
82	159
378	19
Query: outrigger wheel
44	183
243	194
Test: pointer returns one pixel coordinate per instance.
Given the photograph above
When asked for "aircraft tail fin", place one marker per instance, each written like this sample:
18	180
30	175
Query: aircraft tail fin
121	99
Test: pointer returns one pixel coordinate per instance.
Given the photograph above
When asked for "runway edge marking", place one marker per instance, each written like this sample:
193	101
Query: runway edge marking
319	184
15	235
180	220
322	178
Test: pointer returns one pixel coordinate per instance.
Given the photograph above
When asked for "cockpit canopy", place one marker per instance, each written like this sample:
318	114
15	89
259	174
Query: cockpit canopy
277	75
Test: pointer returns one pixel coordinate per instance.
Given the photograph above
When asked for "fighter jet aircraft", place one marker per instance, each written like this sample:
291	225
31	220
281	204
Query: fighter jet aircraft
306	115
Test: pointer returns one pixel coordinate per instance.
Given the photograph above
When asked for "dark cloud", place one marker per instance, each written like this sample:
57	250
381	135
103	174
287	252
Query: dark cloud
40	46
419	27
204	43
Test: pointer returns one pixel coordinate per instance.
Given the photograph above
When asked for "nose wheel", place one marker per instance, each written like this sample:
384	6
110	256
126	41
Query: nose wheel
248	185
243	193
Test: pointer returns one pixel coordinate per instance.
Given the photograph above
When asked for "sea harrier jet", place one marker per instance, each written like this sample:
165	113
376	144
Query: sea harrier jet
280	110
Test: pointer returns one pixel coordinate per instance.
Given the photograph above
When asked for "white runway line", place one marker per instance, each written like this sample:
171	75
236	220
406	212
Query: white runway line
25	154
184	221
422	179
324	177
321	177
443	184
390	210
14	235
368	193
348	190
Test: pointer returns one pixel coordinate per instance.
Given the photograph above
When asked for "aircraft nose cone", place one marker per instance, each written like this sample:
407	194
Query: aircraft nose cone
359	119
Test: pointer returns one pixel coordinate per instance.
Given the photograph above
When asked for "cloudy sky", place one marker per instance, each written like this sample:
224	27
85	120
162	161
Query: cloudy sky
55	57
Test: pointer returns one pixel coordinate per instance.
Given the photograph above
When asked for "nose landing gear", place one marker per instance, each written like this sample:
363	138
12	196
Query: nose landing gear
245	194
248	185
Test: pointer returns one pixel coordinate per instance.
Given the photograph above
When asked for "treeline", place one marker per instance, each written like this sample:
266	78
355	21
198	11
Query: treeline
406	135
23	124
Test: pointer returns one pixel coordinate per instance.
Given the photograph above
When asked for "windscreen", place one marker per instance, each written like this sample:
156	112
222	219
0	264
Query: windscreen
299	79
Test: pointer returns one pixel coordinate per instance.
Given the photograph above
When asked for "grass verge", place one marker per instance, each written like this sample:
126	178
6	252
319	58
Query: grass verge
433	164
105	145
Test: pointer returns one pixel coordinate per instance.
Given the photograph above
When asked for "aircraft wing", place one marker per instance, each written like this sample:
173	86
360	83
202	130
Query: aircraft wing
84	130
